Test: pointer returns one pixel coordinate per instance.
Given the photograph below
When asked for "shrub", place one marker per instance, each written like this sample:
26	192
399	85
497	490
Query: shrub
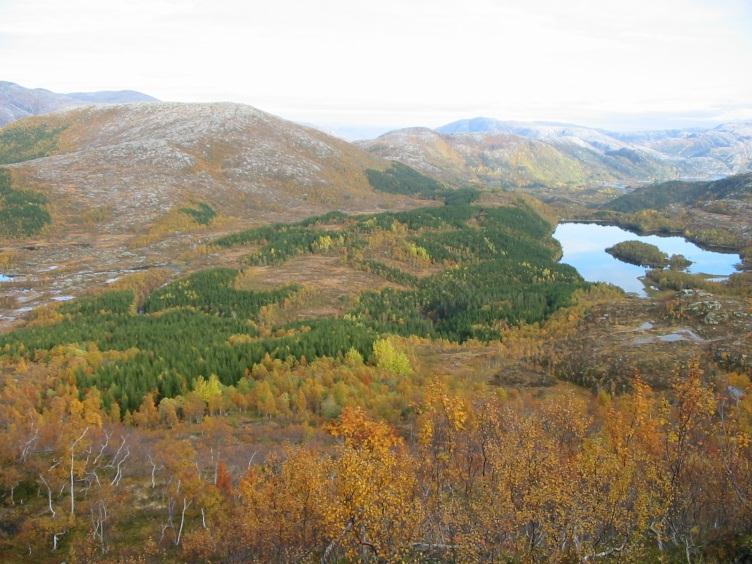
388	358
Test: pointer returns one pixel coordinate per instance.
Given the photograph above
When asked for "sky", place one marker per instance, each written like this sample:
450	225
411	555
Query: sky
356	66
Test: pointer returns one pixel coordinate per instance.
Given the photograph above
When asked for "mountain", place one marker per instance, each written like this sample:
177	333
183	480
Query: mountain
549	131
720	151
111	97
17	102
529	154
421	148
141	160
128	186
663	195
501	154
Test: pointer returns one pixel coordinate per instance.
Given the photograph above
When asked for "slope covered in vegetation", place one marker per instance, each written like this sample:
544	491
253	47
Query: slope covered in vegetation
659	196
27	141
497	268
401	179
22	213
353	459
223	417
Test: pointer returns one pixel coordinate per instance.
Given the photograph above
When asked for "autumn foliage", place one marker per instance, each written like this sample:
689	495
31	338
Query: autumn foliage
459	476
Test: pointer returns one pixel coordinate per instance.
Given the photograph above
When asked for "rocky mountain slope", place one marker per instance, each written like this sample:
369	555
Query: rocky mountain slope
718	151
17	102
131	186
722	150
529	154
550	131
515	157
138	161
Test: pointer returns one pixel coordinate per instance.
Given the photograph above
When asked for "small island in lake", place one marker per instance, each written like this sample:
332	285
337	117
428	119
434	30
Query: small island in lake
645	254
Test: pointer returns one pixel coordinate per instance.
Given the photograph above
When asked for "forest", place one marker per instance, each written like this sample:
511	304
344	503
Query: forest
377	464
190	420
499	270
22	213
23	143
401	179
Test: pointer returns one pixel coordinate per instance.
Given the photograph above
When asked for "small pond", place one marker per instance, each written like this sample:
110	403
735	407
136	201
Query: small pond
585	244
4	278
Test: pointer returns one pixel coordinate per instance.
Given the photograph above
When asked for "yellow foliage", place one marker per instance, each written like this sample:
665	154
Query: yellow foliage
389	358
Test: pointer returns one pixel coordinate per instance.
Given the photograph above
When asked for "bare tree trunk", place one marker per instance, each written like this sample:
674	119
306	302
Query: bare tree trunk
104	446
101	518
334	542
250	460
119	473
26	449
153	471
658	536
117	454
186	505
55	538
49	495
169	524
72	456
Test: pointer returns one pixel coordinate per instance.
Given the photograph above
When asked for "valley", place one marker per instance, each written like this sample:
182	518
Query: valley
270	344
375	282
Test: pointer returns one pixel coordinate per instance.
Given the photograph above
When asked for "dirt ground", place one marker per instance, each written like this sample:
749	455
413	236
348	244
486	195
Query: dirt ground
328	285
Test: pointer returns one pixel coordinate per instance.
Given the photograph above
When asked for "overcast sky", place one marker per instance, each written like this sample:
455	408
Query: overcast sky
390	63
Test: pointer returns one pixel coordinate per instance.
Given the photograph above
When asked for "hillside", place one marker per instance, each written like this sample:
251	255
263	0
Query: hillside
480	267
17	102
558	155
660	196
506	156
398	375
715	214
705	153
595	148
132	185
214	378
139	161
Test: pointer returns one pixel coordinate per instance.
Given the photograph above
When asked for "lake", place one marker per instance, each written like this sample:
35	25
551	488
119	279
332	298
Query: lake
585	244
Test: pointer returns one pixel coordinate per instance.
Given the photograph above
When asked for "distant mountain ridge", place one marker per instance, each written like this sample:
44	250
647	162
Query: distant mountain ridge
722	150
510	154
528	154
547	130
17	102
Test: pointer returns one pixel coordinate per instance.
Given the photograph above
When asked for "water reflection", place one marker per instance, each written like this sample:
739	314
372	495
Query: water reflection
585	244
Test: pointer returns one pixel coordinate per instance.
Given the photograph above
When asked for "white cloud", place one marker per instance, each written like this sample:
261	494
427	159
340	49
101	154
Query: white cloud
395	61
